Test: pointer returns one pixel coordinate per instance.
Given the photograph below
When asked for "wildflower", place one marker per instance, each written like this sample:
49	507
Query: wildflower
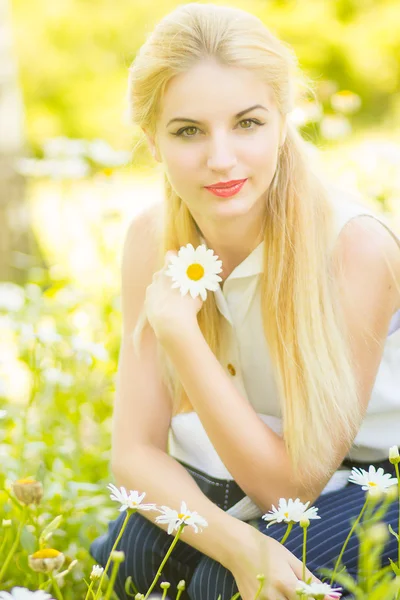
28	491
97	572
12	296
46	560
132	500
290	511
185	516
372	479
345	101
317	590
19	593
195	270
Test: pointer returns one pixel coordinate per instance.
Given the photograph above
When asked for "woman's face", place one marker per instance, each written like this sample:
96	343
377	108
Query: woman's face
220	146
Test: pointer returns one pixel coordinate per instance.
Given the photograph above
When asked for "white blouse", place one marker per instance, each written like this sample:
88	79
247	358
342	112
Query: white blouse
249	366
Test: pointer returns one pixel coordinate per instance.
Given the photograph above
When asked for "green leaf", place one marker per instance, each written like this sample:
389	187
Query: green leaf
394	567
49	529
396	535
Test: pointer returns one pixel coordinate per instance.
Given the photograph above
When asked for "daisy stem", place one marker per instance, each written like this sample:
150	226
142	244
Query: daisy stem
304	552
112	580
348	537
288	530
129	511
15	544
259	589
174	542
89	593
57	590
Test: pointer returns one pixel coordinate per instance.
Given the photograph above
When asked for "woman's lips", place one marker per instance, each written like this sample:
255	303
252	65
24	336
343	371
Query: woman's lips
227	192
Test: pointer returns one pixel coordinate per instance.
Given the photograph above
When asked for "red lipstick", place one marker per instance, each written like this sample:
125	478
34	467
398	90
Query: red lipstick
225	190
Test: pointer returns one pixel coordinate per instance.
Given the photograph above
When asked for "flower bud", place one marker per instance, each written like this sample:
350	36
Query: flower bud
165	585
378	533
96	573
375	494
394	455
28	491
46	560
392	493
304	522
118	556
181	585
6	522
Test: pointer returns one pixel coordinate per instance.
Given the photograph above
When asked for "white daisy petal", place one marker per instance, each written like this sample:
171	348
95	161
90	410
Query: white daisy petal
372	479
205	269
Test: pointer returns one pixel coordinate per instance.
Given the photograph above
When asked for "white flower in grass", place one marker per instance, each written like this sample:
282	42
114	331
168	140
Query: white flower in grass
96	573
318	590
290	511
195	270
372	479
132	500
19	593
175	519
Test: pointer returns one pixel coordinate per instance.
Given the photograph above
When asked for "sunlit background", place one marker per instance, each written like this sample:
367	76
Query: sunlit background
70	183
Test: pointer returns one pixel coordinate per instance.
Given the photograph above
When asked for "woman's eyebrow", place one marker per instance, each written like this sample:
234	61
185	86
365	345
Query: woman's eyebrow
240	114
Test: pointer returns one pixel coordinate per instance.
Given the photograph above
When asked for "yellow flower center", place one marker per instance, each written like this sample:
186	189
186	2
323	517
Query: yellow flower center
25	481
46	553
286	514
195	271
181	516
372	484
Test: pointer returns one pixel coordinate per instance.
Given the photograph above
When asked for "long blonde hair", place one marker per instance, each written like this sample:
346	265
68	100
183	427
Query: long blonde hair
303	323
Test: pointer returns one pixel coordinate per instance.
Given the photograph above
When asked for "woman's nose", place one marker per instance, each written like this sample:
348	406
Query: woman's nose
220	155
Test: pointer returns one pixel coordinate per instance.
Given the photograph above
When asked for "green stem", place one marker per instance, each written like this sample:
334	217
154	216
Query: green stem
57	590
259	589
112	580
288	530
348	537
304	552
4	542
158	574
89	590
15	544
129	512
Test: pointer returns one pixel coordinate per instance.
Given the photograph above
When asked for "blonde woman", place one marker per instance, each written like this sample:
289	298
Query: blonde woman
289	373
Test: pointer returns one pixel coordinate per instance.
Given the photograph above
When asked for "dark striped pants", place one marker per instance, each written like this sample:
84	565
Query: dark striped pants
145	545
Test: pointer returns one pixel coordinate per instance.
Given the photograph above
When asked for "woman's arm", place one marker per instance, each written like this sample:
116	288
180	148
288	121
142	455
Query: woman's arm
254	454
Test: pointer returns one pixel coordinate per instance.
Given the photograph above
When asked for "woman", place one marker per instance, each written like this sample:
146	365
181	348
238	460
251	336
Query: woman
291	367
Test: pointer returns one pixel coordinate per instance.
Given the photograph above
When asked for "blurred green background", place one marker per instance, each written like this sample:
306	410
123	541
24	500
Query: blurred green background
69	185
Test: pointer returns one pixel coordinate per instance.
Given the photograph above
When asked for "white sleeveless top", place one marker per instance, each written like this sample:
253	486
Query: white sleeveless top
239	303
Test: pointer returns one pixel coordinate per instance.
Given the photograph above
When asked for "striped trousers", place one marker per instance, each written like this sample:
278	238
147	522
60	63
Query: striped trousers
145	545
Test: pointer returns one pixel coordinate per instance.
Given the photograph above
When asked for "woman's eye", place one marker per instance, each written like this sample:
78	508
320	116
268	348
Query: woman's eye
186	129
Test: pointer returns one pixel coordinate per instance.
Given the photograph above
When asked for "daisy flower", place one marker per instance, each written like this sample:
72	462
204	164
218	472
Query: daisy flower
318	590
175	519
372	479
132	500
290	511
19	593
195	270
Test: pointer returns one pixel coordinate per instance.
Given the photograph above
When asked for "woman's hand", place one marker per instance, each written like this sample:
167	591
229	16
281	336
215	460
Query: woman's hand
168	312
257	553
